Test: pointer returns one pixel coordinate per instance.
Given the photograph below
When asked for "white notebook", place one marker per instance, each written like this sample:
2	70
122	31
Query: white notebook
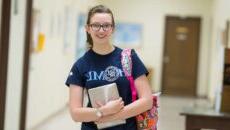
104	94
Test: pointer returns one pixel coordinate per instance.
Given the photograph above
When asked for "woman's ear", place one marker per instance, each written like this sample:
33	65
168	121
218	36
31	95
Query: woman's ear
87	29
113	30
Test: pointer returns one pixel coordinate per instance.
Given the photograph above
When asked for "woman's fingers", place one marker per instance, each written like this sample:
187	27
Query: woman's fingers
114	99
122	104
99	104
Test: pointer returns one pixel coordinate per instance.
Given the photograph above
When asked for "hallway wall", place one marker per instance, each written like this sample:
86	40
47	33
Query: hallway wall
15	64
49	68
221	13
151	14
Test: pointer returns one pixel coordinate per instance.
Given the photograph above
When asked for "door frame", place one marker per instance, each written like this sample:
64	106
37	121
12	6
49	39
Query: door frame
26	63
4	49
164	48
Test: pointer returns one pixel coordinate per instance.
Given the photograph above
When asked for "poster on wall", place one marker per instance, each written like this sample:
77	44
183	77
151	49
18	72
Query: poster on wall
38	37
228	34
67	28
15	7
128	35
81	36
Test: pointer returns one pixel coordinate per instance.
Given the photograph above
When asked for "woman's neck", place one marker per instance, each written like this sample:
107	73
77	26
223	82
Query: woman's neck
103	49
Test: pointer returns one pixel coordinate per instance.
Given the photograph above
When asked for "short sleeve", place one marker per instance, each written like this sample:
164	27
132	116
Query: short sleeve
139	68
75	76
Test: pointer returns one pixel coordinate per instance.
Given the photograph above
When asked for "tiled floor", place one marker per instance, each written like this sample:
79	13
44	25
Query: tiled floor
170	119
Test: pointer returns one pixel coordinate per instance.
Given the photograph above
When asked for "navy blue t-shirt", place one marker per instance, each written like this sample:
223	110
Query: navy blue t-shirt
93	70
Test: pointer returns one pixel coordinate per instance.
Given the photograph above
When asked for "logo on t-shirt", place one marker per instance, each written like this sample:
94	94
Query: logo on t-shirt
110	74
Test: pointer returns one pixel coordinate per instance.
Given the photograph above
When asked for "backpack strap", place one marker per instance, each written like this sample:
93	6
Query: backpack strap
126	62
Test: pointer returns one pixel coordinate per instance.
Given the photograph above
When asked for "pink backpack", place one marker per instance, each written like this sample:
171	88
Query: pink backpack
148	119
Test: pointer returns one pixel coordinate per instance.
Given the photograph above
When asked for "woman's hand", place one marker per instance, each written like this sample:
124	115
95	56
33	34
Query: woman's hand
105	119
111	107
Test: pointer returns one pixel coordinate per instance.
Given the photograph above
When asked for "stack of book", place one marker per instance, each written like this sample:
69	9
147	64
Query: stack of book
104	94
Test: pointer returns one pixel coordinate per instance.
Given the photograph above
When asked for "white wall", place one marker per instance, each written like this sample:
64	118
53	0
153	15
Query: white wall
49	69
14	77
221	14
151	13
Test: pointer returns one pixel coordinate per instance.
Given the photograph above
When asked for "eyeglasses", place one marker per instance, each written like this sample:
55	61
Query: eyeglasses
97	27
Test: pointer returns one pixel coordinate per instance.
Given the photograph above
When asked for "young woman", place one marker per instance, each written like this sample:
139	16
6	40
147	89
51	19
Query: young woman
101	65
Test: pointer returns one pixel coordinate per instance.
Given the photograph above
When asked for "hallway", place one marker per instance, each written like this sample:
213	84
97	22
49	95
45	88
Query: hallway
170	107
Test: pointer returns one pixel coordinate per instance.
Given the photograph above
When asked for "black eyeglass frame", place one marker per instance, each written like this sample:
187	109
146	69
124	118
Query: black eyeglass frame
103	26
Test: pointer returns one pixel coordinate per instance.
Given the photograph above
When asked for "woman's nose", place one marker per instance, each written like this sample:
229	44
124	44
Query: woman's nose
101	29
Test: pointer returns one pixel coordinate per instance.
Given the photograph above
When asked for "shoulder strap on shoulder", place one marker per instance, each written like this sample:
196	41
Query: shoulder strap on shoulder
126	62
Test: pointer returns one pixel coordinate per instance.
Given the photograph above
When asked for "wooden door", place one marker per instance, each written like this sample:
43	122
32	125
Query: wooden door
180	58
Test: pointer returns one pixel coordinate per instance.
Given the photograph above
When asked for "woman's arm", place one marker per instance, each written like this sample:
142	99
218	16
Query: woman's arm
84	114
143	103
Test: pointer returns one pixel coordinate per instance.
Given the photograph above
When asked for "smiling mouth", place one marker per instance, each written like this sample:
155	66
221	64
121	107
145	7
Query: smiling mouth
101	36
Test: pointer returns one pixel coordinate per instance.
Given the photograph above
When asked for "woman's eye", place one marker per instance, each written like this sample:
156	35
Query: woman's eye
107	25
96	25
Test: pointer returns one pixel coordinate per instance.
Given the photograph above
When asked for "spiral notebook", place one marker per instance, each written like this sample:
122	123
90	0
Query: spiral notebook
104	94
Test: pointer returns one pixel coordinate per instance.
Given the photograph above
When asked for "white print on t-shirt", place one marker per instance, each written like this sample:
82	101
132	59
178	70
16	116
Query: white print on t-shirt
71	73
110	74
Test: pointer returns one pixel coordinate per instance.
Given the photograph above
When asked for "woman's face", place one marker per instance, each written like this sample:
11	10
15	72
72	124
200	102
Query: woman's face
100	27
